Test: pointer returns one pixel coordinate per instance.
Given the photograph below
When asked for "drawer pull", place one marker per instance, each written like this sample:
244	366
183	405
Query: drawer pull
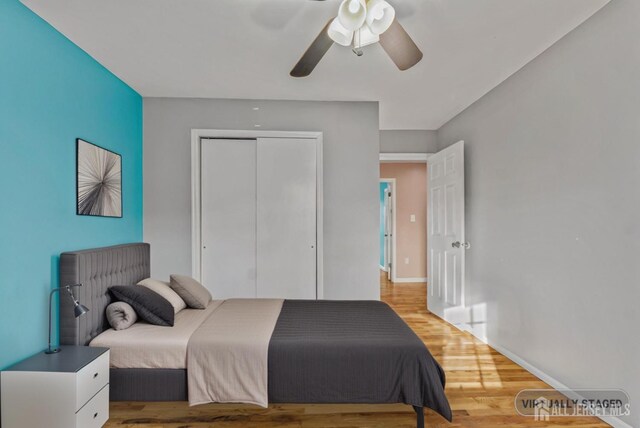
95	375
95	415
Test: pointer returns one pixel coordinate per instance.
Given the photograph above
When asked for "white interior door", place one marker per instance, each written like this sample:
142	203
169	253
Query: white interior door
228	187
286	218
446	237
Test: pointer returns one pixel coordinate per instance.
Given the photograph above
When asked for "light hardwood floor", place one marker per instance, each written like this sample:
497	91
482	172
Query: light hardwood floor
481	385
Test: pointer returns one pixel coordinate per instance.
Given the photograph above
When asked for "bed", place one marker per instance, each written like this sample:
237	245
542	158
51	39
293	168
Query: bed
318	351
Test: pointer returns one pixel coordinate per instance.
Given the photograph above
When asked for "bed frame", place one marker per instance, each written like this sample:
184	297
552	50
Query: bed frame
97	270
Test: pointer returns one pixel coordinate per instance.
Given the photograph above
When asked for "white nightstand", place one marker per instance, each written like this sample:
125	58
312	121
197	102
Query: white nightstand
68	389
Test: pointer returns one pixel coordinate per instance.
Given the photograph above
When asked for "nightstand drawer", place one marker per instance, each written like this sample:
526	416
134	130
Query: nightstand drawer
91	379
95	413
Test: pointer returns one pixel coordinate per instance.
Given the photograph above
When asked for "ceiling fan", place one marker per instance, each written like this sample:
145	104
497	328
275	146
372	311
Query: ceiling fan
361	23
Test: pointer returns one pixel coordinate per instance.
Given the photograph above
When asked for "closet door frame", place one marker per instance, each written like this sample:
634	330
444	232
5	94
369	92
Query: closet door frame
197	135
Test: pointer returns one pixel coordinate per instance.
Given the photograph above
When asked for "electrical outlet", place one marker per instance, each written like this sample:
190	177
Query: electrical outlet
406	260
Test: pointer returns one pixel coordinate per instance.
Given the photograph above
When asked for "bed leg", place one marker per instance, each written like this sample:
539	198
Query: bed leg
419	416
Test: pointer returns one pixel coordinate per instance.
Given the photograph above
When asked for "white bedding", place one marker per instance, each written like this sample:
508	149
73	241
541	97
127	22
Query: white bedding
149	346
228	354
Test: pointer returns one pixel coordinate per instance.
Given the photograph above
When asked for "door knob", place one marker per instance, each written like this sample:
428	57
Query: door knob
459	244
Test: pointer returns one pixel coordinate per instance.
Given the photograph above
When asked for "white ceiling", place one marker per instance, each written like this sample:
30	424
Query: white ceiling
246	48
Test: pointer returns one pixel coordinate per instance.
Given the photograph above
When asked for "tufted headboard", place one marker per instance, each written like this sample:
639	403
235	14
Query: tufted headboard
97	270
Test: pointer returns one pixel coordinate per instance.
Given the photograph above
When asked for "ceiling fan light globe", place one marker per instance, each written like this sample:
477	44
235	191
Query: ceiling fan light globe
364	37
352	14
380	16
339	34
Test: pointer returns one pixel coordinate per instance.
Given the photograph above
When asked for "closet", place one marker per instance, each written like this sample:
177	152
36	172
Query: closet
258	217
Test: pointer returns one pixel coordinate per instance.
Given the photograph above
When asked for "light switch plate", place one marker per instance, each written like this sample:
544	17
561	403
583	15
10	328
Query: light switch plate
413	218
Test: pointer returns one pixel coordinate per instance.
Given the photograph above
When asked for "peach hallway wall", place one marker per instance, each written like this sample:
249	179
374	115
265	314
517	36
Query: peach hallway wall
411	198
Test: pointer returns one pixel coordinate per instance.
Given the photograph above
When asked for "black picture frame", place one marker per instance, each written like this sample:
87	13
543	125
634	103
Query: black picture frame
98	181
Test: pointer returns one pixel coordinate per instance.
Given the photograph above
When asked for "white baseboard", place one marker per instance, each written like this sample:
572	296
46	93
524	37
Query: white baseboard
403	280
554	383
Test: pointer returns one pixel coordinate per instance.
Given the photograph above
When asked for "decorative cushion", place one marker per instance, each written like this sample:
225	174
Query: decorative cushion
149	305
192	292
163	289
121	315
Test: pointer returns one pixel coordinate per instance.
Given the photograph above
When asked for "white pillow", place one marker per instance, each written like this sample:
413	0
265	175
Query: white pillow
163	289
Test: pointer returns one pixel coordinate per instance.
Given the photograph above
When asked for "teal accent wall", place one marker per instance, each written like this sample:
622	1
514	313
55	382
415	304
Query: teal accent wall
383	189
52	92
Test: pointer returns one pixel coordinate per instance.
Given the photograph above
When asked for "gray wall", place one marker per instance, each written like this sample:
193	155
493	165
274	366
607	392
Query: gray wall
553	206
351	147
408	141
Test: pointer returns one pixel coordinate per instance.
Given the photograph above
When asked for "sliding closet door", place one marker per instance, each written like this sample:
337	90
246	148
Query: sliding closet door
229	217
286	218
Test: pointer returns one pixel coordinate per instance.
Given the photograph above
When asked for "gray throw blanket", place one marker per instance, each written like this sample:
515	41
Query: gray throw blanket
351	352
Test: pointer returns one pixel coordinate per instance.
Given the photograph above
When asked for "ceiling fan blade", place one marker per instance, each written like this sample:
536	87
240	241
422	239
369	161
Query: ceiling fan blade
400	47
314	54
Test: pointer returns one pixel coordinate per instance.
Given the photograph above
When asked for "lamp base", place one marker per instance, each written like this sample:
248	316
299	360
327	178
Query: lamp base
52	351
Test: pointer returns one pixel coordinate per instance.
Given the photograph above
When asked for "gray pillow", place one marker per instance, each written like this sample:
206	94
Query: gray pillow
121	315
149	305
192	292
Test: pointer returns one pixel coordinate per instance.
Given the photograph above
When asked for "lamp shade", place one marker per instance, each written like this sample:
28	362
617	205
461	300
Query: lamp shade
339	34
352	14
79	309
380	16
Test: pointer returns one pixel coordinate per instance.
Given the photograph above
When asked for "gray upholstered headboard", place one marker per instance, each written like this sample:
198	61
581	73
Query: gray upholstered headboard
97	270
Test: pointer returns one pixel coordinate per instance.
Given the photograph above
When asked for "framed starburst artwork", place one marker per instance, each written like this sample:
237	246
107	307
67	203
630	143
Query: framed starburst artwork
98	181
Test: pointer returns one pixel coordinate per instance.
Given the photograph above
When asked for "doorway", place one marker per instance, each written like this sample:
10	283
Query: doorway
403	226
387	227
446	245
